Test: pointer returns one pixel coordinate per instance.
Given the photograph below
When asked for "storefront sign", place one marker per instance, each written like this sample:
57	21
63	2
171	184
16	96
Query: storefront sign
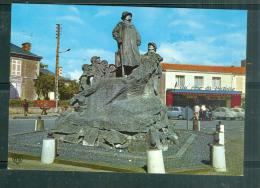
210	88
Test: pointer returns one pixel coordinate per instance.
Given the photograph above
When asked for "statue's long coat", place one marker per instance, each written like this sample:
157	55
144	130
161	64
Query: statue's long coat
128	41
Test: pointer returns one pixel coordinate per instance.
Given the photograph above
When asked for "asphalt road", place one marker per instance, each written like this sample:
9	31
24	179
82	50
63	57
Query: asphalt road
231	127
18	126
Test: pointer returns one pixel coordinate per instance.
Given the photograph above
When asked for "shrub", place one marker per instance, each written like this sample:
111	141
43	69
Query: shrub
64	103
18	103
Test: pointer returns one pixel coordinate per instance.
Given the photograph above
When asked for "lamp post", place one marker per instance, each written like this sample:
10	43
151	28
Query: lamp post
58	29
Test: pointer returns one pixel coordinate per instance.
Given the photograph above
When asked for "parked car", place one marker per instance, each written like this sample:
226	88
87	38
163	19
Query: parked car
224	113
240	113
175	112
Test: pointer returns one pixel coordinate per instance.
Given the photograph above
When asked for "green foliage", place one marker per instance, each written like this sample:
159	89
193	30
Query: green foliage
67	89
44	84
64	103
18	103
43	65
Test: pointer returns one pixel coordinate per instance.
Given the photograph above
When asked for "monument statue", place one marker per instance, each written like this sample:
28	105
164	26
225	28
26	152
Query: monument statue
128	40
152	56
114	111
84	80
95	71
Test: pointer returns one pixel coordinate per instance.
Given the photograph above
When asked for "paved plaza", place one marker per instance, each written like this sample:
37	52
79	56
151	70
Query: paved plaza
21	130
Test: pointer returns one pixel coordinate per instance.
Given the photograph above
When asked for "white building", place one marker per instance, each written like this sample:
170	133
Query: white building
222	85
24	69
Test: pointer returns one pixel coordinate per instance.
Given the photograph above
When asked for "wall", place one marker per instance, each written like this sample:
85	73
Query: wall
30	71
227	80
240	84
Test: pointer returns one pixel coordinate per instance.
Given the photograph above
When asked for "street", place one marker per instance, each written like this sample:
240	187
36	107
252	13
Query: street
234	137
19	126
233	128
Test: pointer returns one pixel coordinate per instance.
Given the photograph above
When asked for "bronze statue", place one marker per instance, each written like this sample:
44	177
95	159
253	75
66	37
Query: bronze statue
84	80
128	40
111	109
153	59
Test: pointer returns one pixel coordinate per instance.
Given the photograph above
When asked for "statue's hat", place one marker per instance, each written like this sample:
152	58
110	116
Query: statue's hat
94	58
153	44
124	14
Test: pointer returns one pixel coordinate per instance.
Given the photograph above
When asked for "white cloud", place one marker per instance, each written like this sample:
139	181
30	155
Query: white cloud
103	12
223	24
182	11
204	51
21	36
75	74
103	54
74	60
74	10
74	19
186	22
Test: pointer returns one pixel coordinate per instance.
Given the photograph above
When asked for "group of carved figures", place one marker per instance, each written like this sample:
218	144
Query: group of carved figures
119	100
127	58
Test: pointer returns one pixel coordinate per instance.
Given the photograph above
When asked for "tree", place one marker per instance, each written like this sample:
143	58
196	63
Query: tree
44	84
67	89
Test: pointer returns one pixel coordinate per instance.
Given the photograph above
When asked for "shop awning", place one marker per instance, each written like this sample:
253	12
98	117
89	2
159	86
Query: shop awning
204	92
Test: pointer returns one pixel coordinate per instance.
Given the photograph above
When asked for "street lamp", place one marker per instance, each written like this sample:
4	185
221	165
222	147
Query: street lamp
65	51
57	78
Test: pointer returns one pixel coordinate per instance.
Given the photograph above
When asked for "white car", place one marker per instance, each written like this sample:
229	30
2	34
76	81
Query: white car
224	113
240	113
175	112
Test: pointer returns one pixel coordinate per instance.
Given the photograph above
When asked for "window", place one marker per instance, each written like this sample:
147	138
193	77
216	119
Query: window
198	81
175	109
180	79
16	67
216	82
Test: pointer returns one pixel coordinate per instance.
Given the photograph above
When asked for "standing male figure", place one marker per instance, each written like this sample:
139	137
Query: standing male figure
152	57
25	107
128	40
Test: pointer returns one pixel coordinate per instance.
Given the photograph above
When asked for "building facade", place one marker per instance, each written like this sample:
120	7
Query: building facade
24	69
183	84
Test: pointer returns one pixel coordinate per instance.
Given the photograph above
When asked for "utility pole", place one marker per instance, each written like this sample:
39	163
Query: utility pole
57	66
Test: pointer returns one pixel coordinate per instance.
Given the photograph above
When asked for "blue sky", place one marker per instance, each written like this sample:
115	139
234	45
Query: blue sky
187	36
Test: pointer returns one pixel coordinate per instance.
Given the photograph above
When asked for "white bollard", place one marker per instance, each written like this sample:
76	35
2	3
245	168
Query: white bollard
218	158
221	128
48	150
219	138
198	125
155	162
39	125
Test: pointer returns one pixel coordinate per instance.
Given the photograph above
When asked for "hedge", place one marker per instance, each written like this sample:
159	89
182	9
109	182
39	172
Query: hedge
18	103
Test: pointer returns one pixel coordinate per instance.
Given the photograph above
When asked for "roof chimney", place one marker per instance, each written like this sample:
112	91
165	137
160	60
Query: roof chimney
26	46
